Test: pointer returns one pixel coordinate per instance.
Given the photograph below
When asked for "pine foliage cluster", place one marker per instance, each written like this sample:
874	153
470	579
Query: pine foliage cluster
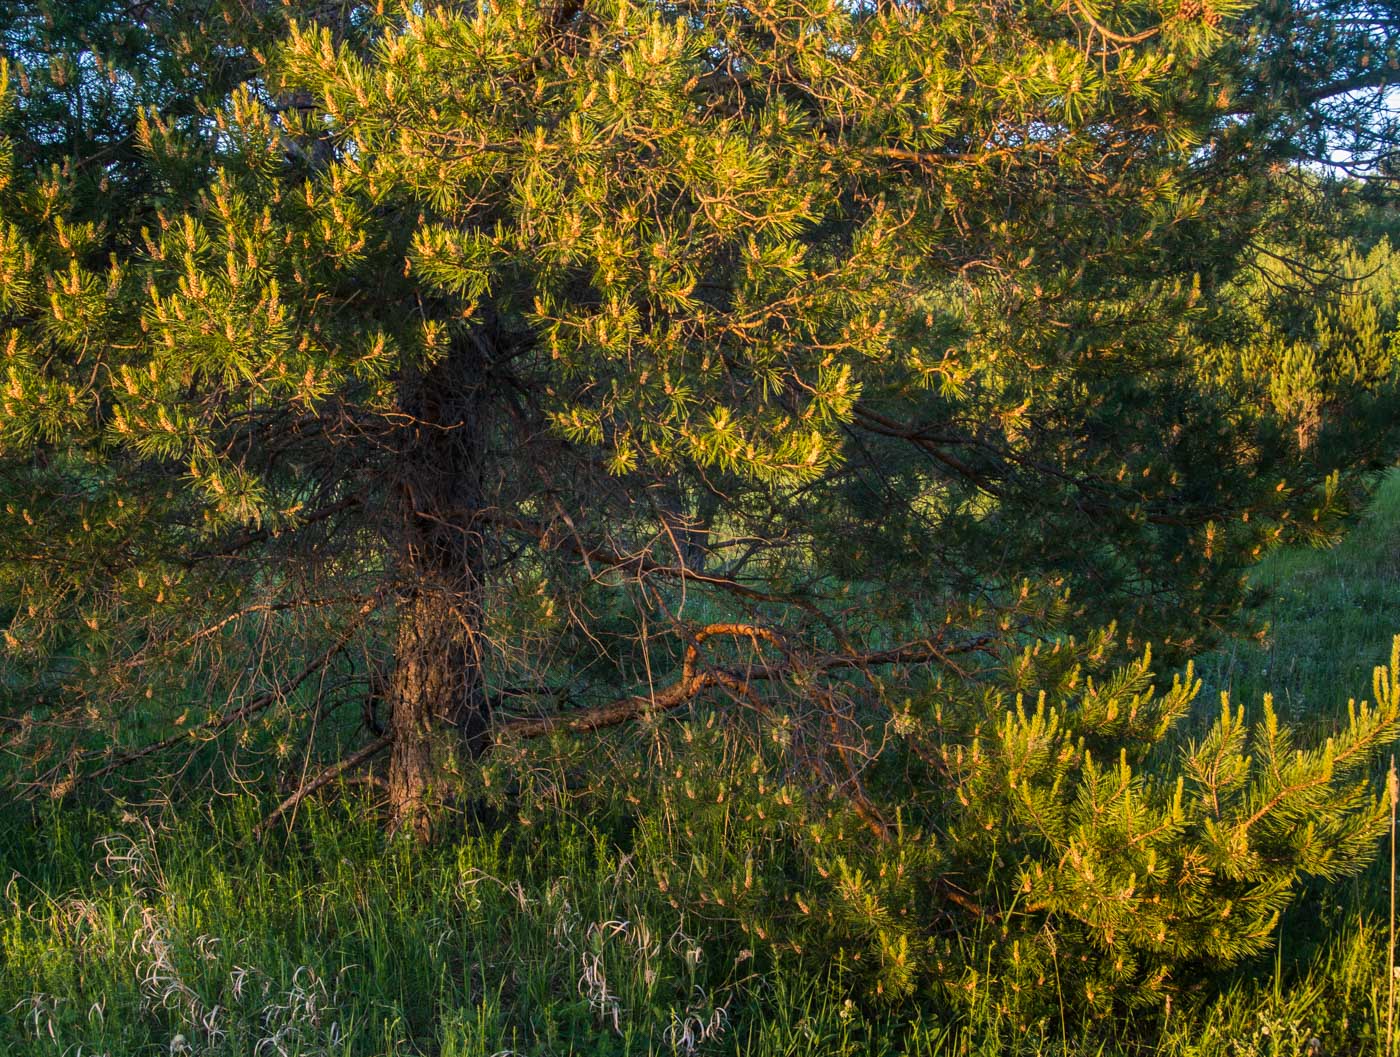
1056	842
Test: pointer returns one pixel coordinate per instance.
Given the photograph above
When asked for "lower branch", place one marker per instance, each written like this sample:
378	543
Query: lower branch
258	704
693	681
330	774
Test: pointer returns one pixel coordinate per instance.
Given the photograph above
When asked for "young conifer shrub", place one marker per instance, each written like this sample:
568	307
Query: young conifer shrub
1049	843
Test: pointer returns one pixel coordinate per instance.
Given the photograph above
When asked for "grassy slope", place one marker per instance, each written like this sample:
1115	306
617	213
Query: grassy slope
194	939
1331	616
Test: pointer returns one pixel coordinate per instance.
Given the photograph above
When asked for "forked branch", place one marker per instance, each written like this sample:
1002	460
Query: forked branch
694	679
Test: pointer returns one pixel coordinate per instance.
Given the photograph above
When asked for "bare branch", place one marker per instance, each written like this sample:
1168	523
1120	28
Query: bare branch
693	681
252	708
330	774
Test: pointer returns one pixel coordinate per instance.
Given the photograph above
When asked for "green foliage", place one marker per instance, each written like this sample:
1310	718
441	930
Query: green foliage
1323	614
916	291
707	909
824	373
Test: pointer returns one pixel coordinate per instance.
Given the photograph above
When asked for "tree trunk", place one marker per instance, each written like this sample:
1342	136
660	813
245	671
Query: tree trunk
438	708
688	522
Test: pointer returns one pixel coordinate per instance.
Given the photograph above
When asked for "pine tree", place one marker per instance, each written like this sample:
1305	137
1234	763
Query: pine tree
1055	838
461	349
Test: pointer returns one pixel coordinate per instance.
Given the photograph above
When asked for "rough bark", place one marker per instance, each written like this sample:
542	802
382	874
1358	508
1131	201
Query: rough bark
438	706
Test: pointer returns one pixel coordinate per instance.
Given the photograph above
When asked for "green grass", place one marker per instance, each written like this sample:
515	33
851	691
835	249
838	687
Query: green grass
1330	616
144	932
193	938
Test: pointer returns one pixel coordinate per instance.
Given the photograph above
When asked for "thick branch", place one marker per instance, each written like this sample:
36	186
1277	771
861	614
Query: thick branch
693	681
